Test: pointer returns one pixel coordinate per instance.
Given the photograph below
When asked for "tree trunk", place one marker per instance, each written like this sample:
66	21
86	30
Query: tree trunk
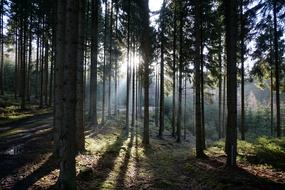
242	127
67	177
271	104
277	71
104	66
94	61
220	127
162	39
29	64
180	88
133	93
37	68
156	98
51	81
128	65
46	71
80	138
173	122
231	51
58	69
202	93
146	46
87	72
116	60
197	67
224	104
137	87
110	64
23	65
16	65
271	85
2	49
42	73
184	114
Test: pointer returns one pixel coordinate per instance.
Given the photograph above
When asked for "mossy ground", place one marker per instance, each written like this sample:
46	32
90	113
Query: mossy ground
114	160
10	111
259	166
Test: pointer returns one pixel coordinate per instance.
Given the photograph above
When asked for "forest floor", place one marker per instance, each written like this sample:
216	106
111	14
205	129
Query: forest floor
114	160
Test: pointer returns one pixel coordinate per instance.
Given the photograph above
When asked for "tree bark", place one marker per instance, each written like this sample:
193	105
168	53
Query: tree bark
146	57
110	64
116	60
180	88
156	101
52	63
133	86
67	177
224	104
42	72
2	49
23	64
94	61
202	93
173	122
29	64
277	71
271	104
184	114
37	68
197	67
104	65
80	137
128	65
162	39
59	69
16	65
220	89
242	124
231	51
46	64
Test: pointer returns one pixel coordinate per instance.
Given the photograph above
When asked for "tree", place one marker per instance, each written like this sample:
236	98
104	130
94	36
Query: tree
94	54
277	69
180	69
269	39
117	55
2	47
173	123
242	127
105	61
110	58
80	137
197	67
133	82
231	49
23	42
162	39
146	48
68	14
220	89
128	66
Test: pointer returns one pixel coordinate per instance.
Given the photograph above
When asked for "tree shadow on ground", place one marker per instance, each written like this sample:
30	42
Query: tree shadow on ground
163	163
26	121
120	181
105	164
47	167
212	174
172	166
31	153
23	131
